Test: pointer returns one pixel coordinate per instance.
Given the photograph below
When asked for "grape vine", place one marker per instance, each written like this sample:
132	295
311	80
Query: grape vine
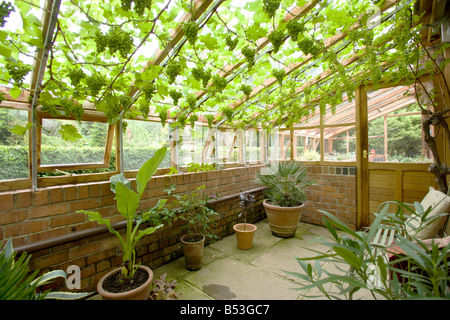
190	30
72	108
173	69
17	71
139	5
247	90
279	75
270	7
308	46
294	28
277	39
249	54
231	42
149	90
116	40
219	82
75	76
209	118
175	95
5	10
95	83
192	119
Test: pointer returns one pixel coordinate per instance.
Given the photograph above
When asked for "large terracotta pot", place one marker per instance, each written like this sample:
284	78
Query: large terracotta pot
244	237
283	221
193	251
140	293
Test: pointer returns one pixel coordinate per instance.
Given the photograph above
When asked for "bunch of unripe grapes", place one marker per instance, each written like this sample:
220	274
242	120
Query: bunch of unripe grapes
228	112
144	108
191	100
5	10
210	119
72	108
116	40
149	90
75	76
190	30
308	46
219	82
192	118
279	75
294	28
175	95
247	90
139	5
231	42
17	71
163	116
95	83
271	6
277	39
202	75
249	54
173	69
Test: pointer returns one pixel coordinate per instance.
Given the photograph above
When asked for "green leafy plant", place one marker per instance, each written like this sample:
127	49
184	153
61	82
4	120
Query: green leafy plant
127	204
416	269
286	183
17	283
164	290
192	208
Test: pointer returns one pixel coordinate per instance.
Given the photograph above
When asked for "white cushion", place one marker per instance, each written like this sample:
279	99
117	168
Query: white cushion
440	203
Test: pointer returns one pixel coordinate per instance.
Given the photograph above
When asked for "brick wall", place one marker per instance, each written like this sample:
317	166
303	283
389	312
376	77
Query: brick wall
334	192
34	217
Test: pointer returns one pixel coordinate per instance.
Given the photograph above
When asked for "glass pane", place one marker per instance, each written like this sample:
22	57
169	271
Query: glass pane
88	149
340	144
395	127
307	145
252	146
140	142
228	146
197	145
13	147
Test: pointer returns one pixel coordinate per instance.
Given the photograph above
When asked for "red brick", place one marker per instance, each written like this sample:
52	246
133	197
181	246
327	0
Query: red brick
70	193
40	197
83	191
49	210
67	219
56	195
23	199
6	201
13	216
83	204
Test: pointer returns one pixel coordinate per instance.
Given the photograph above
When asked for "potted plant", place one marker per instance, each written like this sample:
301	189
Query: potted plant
285	196
192	208
131	281
245	231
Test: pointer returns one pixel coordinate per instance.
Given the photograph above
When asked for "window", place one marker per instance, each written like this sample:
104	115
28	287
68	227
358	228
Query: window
395	127
141	139
13	147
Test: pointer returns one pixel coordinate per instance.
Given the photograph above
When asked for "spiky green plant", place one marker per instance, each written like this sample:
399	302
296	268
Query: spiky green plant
286	183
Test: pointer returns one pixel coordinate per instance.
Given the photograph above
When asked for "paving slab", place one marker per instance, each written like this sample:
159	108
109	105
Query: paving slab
233	279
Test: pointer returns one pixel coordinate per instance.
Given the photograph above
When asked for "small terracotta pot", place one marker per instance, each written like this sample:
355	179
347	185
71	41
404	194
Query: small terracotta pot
140	293
193	251
244	237
283	221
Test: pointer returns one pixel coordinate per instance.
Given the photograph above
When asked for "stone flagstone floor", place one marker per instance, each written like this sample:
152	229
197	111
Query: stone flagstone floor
229	273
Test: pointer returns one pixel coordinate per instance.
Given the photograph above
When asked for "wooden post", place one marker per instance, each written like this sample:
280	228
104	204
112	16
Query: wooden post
362	145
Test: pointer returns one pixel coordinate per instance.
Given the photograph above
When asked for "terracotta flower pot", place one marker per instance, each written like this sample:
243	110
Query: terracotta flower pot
140	293
193	250
283	221
244	237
